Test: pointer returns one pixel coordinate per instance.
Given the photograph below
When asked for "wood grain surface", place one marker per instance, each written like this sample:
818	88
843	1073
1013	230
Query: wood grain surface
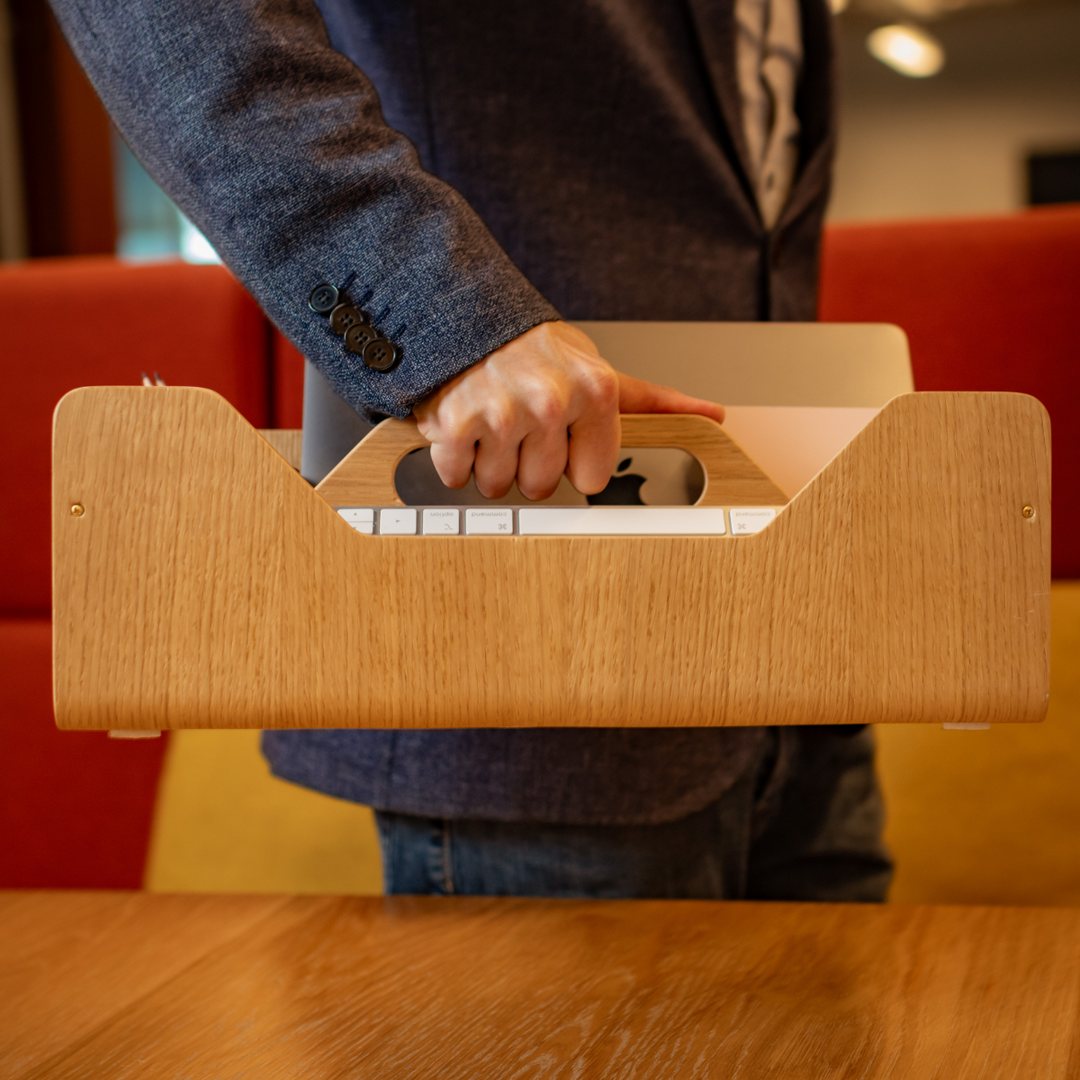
69	962
288	442
365	477
408	988
207	585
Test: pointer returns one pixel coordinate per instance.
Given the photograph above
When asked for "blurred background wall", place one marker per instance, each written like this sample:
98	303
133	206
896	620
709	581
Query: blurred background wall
961	141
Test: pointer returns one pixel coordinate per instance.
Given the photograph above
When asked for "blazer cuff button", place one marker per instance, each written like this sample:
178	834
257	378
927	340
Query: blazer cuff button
380	354
323	299
359	336
345	316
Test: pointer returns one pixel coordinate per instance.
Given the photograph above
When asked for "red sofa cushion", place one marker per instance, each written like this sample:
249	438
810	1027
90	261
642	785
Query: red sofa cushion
76	808
73	322
987	304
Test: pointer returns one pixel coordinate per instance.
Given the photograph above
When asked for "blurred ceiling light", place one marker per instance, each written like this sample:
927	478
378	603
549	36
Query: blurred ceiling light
838	6
925	9
928	9
907	49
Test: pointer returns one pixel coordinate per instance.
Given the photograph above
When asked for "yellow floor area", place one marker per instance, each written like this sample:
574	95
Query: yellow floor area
224	824
974	816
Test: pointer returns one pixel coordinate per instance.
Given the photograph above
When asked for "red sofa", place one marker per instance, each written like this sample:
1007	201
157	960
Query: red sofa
76	808
987	304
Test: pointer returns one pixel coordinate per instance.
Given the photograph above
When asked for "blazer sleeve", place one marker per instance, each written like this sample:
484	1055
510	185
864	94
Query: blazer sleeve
276	147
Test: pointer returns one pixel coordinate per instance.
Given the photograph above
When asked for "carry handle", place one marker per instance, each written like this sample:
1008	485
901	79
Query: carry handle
365	477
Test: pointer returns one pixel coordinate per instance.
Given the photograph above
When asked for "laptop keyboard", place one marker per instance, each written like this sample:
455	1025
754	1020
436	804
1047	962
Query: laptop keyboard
558	520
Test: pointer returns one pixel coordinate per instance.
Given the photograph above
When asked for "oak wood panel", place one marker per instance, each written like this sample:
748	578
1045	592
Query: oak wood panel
206	585
69	962
365	476
286	441
463	988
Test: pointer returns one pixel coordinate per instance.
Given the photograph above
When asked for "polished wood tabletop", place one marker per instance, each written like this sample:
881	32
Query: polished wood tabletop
124	985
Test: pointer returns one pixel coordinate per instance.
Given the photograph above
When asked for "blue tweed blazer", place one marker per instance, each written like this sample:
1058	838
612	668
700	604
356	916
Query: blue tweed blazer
468	169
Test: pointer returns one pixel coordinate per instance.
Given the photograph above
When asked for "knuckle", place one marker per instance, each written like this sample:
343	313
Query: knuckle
450	423
549	406
457	425
602	385
500	421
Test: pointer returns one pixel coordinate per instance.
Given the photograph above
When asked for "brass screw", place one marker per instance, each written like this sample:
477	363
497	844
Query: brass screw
78	510
1028	512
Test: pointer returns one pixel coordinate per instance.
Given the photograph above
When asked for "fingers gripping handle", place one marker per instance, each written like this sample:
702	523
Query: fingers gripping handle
365	477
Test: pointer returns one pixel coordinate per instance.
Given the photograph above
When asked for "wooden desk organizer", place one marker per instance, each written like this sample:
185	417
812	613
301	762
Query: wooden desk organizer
198	581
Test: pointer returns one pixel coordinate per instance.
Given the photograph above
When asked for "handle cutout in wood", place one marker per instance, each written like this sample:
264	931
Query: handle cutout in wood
365	476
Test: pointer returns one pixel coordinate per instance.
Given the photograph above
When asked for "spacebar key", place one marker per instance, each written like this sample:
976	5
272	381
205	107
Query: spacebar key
621	521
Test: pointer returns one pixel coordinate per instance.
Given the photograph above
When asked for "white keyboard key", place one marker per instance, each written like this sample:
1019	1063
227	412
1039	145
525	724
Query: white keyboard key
398	521
361	518
493	521
748	520
441	522
621	521
354	514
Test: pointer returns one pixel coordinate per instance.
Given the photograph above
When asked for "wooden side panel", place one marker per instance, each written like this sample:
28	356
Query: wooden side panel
207	585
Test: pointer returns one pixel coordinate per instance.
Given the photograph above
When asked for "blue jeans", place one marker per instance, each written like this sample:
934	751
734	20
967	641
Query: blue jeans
804	825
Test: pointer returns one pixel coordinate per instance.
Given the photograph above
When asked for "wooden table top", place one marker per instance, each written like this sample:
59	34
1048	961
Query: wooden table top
124	985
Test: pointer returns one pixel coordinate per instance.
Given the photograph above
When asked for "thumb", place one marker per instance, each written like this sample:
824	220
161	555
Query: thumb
639	396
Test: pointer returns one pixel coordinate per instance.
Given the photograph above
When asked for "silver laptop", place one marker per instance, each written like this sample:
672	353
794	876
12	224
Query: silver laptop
795	394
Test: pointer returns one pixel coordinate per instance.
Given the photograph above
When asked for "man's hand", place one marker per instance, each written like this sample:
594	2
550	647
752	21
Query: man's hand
544	404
